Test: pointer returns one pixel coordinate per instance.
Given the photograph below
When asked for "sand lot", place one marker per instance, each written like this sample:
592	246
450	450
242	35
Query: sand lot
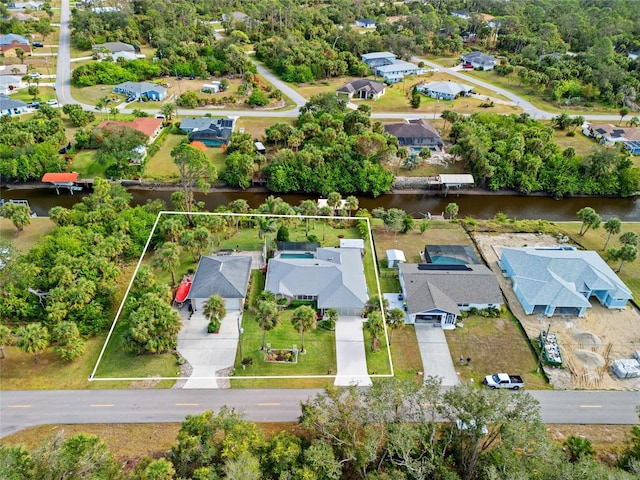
588	345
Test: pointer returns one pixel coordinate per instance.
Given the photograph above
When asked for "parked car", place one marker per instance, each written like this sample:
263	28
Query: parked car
34	74
468	66
130	99
504	380
37	44
34	105
53	102
192	77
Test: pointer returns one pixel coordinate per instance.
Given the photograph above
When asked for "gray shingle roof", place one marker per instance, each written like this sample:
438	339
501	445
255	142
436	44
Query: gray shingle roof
335	276
444	289
448	88
141	87
479	58
559	277
7	103
375	55
227	276
362	84
414	129
115	47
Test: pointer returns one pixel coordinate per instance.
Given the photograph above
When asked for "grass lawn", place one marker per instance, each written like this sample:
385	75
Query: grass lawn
494	345
45	93
581	144
427	169
160	166
595	239
27	238
256	126
512	84
87	166
377	362
90	95
405	353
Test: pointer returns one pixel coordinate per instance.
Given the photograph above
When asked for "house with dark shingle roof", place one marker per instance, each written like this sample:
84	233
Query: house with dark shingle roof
439	292
212	131
417	134
560	281
333	277
227	276
480	60
9	106
363	89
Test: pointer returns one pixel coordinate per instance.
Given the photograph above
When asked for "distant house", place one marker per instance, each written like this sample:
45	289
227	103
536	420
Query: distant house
396	71
114	47
11	50
464	14
127	56
10	38
365	23
363	89
416	134
24	5
9	106
23	17
437	293
151	127
633	55
212	131
395	257
479	60
142	90
556	281
10	83
105	9
226	276
236	17
445	90
332	277
376	59
14	70
608	135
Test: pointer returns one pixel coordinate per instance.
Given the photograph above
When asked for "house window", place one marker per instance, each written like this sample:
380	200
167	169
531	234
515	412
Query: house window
305	297
463	305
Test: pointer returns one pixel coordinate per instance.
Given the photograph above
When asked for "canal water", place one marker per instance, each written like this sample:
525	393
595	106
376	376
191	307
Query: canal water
477	206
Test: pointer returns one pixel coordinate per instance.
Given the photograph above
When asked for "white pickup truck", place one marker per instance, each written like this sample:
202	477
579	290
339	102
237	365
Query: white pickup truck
504	380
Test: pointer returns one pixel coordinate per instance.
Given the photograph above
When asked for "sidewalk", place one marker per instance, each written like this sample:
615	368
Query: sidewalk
350	355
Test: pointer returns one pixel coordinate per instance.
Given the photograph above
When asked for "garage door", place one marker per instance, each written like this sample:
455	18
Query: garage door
428	318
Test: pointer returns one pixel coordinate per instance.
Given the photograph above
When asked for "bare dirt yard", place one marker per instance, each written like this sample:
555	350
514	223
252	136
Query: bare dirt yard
588	345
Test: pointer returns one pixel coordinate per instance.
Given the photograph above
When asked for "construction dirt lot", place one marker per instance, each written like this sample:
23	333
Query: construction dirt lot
588	345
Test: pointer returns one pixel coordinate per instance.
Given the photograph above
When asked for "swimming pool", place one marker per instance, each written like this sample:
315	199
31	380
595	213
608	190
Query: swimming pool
444	260
296	255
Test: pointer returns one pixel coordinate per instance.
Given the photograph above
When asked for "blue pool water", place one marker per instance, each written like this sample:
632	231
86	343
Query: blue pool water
443	260
296	255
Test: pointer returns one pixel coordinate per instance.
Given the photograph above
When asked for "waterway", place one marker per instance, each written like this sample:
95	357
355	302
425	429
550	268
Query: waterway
477	206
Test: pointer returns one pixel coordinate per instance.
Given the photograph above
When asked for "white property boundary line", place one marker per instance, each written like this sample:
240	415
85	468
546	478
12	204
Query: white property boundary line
92	377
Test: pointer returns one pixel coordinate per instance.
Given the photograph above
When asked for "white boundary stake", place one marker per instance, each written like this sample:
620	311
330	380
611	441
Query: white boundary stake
93	377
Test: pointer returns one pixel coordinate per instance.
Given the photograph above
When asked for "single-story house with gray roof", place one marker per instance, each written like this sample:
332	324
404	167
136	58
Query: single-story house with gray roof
212	131
376	59
114	47
363	89
396	71
227	276
445	90
416	134
557	281
139	90
333	277
9	106
437	293
10	38
480	60
366	23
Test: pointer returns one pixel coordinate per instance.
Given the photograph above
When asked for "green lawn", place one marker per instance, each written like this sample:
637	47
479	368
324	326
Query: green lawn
582	144
160	167
30	234
44	94
256	126
87	166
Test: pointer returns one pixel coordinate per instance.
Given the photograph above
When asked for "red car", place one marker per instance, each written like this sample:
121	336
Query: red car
467	66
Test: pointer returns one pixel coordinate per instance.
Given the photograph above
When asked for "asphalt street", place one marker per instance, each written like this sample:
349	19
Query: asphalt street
22	409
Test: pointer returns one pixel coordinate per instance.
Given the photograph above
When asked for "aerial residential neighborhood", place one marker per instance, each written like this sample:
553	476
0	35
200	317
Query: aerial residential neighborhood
339	240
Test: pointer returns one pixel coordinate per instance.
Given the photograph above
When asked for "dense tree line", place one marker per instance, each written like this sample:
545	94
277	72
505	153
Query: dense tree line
109	73
71	274
515	152
29	147
385	431
330	150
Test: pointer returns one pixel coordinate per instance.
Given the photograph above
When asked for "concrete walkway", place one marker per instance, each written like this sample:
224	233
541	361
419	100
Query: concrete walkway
434	350
208	353
351	358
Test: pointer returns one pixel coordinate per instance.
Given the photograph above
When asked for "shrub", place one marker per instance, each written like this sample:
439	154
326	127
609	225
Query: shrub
213	326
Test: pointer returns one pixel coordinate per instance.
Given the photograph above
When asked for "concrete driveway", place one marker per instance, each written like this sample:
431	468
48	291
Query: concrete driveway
350	355
434	350
207	353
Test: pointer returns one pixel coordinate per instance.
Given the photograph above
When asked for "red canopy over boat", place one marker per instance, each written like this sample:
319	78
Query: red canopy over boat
183	290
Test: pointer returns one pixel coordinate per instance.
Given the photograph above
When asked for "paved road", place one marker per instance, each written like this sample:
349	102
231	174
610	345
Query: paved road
22	409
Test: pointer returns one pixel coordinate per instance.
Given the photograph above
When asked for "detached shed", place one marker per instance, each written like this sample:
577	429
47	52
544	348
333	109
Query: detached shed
395	258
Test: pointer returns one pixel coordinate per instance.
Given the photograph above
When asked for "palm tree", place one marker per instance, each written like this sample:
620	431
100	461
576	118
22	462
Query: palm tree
375	327
629	238
374	305
114	111
395	320
304	319
168	109
624	111
5	339
590	219
266	225
324	212
267	316
167	258
351	203
334	200
307	208
33	338
612	226
215	309
18	214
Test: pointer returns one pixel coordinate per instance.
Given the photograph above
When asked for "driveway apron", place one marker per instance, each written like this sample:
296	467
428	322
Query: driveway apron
351	358
434	350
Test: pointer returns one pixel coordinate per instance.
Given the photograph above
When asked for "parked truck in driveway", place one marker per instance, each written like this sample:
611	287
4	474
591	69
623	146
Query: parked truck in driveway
504	380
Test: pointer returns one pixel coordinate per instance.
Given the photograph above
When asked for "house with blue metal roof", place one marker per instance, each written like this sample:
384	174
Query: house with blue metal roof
332	277
561	281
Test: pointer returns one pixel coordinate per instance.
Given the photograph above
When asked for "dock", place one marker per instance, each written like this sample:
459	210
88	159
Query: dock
66	180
